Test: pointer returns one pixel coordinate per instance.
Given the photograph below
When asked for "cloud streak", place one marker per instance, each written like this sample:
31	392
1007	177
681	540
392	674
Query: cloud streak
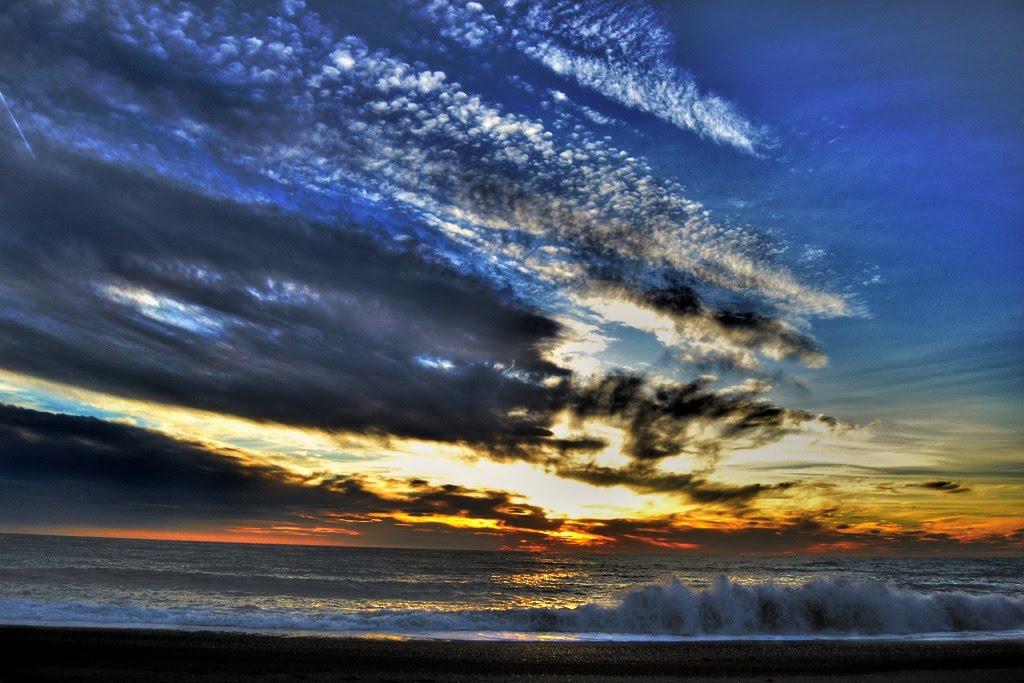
944	486
645	478
17	126
618	50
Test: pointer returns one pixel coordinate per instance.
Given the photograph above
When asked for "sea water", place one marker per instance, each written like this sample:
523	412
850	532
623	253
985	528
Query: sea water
502	595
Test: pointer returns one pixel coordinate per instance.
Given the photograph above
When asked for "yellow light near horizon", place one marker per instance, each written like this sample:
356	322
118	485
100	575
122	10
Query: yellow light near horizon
397	459
574	535
291	447
839	492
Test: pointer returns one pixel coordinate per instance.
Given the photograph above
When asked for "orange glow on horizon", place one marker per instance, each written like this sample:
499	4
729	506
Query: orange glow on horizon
576	536
662	543
248	535
836	547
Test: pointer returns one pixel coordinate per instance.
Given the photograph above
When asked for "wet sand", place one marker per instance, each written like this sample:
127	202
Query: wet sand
85	654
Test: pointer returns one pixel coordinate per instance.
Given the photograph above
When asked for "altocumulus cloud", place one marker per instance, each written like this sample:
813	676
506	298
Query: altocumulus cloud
617	49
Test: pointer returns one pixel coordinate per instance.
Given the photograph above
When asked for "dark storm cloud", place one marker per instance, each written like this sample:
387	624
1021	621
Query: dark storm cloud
659	417
779	536
58	467
61	468
142	288
661	420
761	332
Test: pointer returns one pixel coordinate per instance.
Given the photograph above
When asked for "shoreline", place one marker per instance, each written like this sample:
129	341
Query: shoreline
119	654
509	636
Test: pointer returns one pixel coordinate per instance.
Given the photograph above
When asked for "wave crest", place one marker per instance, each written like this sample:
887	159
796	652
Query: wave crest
820	607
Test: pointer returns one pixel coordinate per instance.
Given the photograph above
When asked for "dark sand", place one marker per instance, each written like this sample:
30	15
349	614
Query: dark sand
38	653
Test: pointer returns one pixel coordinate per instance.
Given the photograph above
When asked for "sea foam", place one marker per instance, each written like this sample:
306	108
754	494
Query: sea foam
822	607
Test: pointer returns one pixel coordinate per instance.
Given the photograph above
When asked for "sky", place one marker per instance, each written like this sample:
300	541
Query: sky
703	277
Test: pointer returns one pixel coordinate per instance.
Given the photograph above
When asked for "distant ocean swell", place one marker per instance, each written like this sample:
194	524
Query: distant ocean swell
821	607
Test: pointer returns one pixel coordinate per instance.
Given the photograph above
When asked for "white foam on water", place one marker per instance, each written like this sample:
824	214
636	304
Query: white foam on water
820	608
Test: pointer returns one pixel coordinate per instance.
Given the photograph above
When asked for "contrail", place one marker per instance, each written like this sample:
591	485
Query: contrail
15	122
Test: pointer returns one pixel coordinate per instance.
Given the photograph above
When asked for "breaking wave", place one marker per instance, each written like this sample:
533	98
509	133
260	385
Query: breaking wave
821	608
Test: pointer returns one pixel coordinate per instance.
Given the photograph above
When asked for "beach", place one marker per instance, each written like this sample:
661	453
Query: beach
111	654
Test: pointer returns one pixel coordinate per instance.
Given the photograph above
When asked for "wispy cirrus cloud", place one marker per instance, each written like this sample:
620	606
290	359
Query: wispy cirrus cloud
620	50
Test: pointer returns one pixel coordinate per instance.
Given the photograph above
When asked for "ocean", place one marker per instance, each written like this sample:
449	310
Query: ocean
482	595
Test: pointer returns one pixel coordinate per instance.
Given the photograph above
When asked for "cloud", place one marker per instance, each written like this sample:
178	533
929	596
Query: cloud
467	23
63	469
426	501
290	110
149	293
260	215
58	467
662	90
703	336
309	325
944	486
619	50
647	479
814	533
70	471
662	420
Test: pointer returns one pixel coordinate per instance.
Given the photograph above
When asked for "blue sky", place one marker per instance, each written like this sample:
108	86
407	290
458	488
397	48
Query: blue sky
903	139
717	265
